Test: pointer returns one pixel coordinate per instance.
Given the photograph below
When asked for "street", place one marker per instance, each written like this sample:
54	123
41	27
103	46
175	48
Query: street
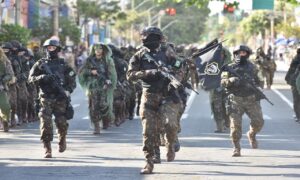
117	152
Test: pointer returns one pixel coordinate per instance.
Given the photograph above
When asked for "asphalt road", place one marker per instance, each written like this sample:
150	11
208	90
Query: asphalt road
117	153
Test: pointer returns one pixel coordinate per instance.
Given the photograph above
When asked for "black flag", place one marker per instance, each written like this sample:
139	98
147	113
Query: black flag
209	68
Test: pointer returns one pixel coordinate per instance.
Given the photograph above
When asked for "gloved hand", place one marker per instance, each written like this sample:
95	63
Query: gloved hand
235	81
47	78
151	72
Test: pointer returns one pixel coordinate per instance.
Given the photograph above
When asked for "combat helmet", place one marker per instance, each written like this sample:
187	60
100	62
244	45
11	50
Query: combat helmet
52	42
151	30
242	48
6	45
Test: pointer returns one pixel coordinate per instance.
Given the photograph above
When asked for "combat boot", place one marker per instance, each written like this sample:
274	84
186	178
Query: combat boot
237	149
148	167
48	150
252	139
170	152
5	126
177	145
96	128
105	122
156	157
62	144
219	127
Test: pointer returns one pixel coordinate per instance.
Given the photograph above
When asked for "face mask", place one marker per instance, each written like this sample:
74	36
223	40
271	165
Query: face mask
241	59
53	54
152	42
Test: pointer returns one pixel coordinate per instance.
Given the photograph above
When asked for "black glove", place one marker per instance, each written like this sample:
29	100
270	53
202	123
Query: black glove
151	72
47	77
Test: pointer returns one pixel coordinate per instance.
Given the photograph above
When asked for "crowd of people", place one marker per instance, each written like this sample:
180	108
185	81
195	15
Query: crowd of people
149	81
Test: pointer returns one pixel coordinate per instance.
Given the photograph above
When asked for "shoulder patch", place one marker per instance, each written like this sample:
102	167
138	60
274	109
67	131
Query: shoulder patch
71	73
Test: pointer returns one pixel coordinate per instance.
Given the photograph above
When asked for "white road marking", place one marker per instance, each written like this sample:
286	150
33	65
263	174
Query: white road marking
188	105
190	101
184	116
283	97
75	105
86	117
266	117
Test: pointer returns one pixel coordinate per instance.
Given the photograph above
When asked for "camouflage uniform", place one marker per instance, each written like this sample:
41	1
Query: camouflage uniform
12	85
6	75
52	100
218	99
267	67
243	100
290	78
99	90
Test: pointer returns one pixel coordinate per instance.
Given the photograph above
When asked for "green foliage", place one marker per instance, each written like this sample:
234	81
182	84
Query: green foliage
68	28
197	3
257	22
101	11
189	26
14	32
288	29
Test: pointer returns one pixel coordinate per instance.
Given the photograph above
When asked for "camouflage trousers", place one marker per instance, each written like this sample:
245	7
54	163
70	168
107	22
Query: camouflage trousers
269	75
296	101
12	94
218	109
169	123
4	107
98	106
48	108
31	111
239	106
150	116
22	102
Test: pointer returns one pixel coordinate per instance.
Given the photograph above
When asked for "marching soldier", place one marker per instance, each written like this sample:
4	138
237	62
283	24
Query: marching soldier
6	75
142	66
242	98
12	85
56	81
98	76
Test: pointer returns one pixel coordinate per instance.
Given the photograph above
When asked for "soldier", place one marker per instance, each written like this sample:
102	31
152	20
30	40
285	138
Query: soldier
98	76
242	98
56	81
12	85
218	99
32	95
21	76
290	78
142	67
6	75
267	67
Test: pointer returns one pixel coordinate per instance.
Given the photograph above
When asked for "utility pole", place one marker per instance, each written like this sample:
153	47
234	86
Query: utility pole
18	12
56	17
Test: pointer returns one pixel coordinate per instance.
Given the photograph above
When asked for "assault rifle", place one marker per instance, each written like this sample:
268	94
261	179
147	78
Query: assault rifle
95	66
56	81
258	92
57	85
166	73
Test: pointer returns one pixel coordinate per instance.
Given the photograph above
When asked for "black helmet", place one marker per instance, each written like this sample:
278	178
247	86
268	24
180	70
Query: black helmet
15	44
151	30
52	42
6	45
242	48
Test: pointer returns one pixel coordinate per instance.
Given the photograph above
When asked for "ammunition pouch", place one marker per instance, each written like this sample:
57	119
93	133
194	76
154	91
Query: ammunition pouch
69	112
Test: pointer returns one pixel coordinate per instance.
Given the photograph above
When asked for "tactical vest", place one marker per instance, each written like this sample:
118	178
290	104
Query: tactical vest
58	68
246	71
156	83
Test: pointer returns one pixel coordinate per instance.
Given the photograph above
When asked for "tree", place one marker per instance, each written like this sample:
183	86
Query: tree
197	3
14	32
68	28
